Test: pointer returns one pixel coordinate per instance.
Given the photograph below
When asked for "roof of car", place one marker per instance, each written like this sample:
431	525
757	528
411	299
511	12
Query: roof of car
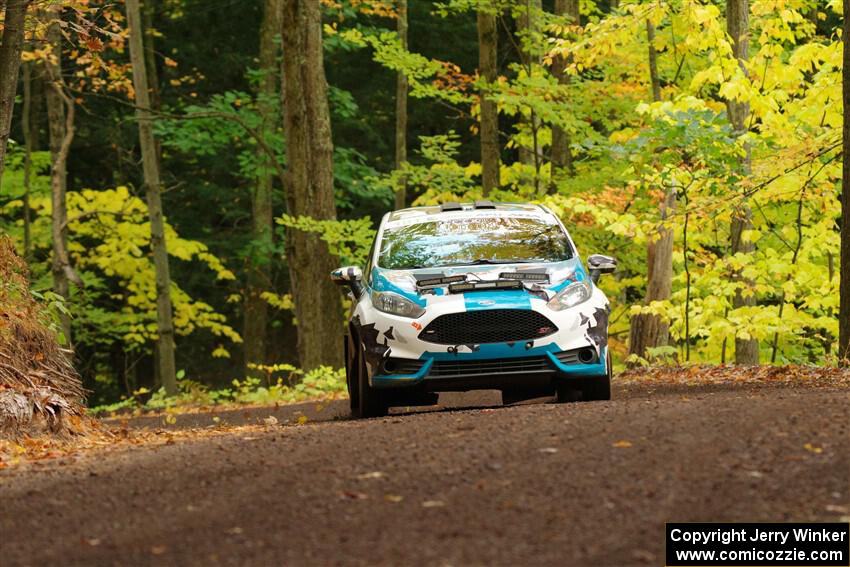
483	208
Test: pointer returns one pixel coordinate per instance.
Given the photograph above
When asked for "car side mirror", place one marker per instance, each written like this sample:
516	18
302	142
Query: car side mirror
350	276
600	264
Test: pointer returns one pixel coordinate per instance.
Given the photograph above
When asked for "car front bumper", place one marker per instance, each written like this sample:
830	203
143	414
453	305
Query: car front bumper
436	373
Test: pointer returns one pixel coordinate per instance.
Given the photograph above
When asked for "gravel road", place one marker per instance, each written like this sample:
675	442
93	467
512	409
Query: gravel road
534	484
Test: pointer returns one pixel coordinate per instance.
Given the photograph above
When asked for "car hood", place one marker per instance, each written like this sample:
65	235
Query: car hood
403	282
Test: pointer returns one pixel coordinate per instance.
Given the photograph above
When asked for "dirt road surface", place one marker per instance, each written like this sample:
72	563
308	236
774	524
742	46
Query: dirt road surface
539	484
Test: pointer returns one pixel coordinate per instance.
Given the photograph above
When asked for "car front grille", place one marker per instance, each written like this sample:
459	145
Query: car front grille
488	326
458	368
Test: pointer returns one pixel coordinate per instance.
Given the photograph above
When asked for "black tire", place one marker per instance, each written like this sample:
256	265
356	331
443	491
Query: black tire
566	391
370	403
352	373
598	389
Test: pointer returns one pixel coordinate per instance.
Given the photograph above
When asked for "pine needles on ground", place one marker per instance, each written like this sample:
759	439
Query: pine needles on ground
39	388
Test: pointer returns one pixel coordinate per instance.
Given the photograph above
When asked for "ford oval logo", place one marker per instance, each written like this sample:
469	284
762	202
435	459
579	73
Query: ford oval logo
486	302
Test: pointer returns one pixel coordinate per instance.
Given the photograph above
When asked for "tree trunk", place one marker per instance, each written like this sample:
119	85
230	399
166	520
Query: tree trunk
646	330
844	310
27	129
259	270
149	42
652	331
60	117
653	62
528	25
153	187
562	155
488	69
737	25
401	109
309	188
10	61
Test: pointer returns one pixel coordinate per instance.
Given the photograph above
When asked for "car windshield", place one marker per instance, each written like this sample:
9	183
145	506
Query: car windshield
473	240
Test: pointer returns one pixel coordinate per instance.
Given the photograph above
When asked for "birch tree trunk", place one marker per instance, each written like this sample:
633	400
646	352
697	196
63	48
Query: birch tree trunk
60	119
561	155
844	310
10	61
256	310
309	188
401	109
737	25
153	187
488	70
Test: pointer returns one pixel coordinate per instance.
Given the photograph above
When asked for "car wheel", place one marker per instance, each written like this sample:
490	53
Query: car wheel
567	391
599	388
370	403
352	372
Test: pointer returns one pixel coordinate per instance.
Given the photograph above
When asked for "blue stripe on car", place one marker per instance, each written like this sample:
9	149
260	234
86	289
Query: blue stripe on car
481	300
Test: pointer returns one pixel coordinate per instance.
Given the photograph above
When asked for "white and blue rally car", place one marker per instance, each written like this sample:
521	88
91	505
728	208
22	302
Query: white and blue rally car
476	296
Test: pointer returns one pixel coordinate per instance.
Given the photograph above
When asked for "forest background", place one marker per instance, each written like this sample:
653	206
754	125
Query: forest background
698	142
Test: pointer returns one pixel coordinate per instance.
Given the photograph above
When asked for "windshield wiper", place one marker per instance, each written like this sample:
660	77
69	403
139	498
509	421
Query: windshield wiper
486	261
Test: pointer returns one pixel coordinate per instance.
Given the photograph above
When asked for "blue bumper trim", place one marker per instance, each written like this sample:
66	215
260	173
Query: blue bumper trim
569	370
595	369
385	380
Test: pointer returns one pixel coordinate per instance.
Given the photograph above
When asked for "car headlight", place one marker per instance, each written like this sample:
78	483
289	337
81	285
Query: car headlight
394	304
570	296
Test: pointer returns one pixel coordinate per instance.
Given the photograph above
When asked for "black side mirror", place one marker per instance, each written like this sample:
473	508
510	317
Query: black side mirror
600	264
350	276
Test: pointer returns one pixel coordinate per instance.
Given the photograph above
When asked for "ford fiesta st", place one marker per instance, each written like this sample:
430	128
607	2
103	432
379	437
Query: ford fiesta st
475	296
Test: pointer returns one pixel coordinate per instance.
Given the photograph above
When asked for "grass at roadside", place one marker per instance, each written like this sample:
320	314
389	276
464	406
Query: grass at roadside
319	384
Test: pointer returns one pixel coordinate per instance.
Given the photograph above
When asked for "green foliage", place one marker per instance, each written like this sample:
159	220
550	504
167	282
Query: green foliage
349	240
294	386
109	247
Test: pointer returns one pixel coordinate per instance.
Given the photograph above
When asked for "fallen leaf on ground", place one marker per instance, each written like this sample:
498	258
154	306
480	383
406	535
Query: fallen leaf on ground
433	504
622	444
350	494
700	374
371	475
